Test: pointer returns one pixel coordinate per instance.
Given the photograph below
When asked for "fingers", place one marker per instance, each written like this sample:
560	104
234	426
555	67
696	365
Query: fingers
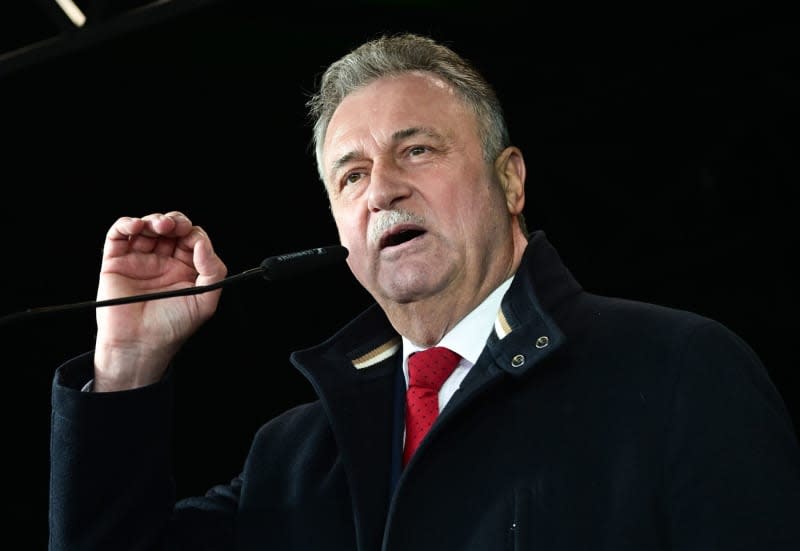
142	234
185	249
171	234
171	224
209	266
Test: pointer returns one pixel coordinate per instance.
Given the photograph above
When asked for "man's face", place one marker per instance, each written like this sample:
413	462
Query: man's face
413	199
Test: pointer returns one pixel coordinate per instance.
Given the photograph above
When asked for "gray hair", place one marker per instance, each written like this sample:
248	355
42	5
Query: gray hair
401	53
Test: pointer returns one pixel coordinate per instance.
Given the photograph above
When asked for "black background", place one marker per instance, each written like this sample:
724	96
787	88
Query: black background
662	163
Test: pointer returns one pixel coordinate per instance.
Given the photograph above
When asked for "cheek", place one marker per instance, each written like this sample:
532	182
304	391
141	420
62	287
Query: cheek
351	228
348	230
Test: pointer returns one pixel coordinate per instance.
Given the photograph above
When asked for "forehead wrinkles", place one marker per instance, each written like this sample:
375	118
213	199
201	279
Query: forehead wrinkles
352	132
359	152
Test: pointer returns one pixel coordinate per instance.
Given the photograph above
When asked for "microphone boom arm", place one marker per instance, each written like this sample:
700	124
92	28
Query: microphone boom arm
274	267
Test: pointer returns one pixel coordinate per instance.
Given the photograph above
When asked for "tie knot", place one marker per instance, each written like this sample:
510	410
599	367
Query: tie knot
430	368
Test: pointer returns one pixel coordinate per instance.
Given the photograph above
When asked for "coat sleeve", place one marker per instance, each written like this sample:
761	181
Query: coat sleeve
111	483
733	461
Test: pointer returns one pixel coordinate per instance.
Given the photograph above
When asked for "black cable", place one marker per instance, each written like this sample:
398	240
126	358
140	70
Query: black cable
30	312
275	267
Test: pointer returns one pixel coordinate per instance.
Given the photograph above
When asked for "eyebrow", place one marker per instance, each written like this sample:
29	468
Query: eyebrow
396	137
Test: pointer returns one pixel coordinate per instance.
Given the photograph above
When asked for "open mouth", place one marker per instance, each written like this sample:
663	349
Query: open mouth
393	239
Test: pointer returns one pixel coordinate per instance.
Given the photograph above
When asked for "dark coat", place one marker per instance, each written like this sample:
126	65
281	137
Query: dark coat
587	423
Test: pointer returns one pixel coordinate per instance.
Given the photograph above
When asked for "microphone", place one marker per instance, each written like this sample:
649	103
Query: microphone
292	264
271	268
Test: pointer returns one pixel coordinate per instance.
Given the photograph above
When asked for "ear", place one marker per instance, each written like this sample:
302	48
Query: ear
510	170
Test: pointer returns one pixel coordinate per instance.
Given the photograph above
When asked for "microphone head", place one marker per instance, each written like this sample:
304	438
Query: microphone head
298	263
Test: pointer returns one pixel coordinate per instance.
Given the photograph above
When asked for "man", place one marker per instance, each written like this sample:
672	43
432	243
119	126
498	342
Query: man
571	421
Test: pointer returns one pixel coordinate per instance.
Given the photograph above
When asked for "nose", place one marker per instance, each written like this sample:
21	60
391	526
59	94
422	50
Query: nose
388	184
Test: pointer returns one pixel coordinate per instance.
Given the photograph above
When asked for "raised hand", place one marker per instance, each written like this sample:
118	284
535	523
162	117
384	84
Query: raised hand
157	252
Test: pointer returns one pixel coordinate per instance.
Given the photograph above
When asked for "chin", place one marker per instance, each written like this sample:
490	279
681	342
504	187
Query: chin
408	285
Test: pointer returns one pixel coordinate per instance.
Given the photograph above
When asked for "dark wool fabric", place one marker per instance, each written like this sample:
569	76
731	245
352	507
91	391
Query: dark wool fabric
630	427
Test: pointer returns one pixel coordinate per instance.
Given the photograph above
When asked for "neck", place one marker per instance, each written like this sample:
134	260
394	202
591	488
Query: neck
426	321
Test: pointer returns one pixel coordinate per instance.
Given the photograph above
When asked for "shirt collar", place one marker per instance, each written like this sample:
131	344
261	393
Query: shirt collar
469	335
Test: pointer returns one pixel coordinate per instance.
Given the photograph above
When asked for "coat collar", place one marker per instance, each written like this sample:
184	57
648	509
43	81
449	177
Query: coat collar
363	349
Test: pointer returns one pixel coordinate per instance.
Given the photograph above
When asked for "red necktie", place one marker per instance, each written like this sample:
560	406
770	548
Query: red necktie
427	371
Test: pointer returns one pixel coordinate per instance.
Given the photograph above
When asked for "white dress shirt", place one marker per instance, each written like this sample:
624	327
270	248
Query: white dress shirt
467	339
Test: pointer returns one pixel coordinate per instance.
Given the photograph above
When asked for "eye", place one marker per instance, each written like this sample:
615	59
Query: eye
352	178
417	150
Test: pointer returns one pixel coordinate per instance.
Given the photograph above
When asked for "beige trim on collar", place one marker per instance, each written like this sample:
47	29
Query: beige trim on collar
501	326
377	355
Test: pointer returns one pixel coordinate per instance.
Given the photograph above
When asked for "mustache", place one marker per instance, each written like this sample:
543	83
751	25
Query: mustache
390	218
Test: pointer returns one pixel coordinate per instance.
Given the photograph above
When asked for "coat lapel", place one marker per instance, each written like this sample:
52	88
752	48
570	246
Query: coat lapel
357	393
